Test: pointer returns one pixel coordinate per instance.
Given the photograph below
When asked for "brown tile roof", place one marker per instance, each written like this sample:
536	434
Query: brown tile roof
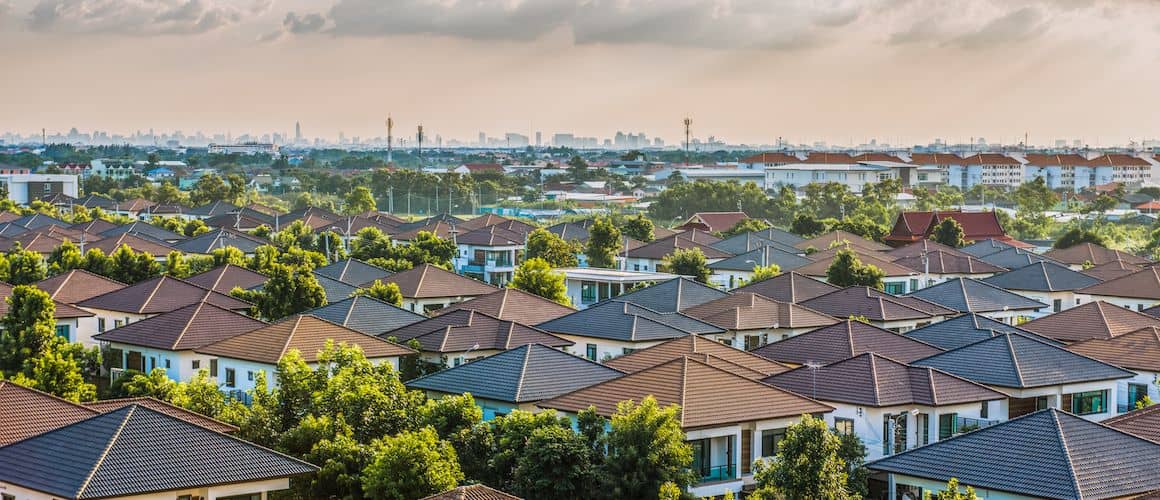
870	379
222	279
713	221
473	492
489	220
659	249
824	241
877	157
748	311
1093	253
843	340
1118	160
789	287
728	358
27	412
708	396
1055	160
190	327
1143	423
490	236
441	229
941	262
869	303
62	310
158	405
35	241
1111	270
76	285
137	243
828	158
513	304
1142	284
462	330
1093	320
935	159
158	295
1138	350
822	261
916	249
305	333
772	158
427	281
990	159
977	226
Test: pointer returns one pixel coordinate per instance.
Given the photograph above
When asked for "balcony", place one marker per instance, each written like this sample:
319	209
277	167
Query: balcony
718	473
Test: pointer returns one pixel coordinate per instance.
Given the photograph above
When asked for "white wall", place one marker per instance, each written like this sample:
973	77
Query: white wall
1135	304
605	348
210	492
868	421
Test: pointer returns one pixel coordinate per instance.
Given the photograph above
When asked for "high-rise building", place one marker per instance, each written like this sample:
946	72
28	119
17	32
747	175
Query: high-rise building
297	132
482	139
538	137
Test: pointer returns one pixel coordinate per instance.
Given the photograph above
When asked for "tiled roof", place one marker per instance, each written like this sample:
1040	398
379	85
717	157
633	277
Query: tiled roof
870	379
95	226
195	418
428	281
465	329
62	310
1111	270
1055	160
27	412
1092	320
708	396
411	231
942	262
627	322
762	256
77	285
305	333
968	295
136	450
487	220
335	290
220	238
1144	423
912	226
1118	160
1042	277
917	248
661	248
39	220
965	330
986	247
843	340
1092	253
156	248
1142	284
472	492
158	295
353	272
748	311
772	158
824	259
212	209
224	278
1138	350
188	327
513	304
672	295
789	287
523	374
1018	361
491	236
714	221
990	159
143	229
746	242
36	241
570	231
1046	454
366	314
828	158
868	303
824	242
731	359
1013	258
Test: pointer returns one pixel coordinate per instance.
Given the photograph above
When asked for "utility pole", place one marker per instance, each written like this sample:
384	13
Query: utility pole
420	137
390	137
688	124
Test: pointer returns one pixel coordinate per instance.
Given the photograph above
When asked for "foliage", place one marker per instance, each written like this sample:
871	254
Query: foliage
28	328
556	463
200	394
359	200
134	384
536	276
411	465
287	291
387	292
646	448
669	491
829	200
604	242
943	198
543	244
687	262
848	270
1076	236
807	226
64	257
1034	196
762	273
949	232
376	248
211	187
130	267
637	227
683	199
807	465
952	492
60	371
25	266
745	226
176	265
862	225
853	453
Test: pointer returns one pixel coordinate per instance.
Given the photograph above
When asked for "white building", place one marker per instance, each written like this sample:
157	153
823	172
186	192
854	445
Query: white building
23	188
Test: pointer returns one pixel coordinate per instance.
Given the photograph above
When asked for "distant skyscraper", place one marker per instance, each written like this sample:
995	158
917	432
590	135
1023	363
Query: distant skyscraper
297	132
482	139
538	137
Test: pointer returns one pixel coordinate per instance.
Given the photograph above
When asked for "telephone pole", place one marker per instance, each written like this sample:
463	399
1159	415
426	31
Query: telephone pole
420	137
688	124
390	137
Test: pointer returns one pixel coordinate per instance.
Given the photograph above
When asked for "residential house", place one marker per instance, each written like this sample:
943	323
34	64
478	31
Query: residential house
1137	351
1139	290
366	314
221	237
672	295
916	226
588	285
513	304
427	288
72	323
973	296
354	272
1045	282
939	265
1091	254
75	286
713	222
615	328
707	351
736	271
967	329
898	314
225	278
844	340
489	254
727	439
516	379
1091	320
897	279
212	209
894	407
1111	270
462	336
651	256
751	321
789	287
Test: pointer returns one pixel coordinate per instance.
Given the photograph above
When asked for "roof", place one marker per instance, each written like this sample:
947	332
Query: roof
1138	350
943	262
1118	160
1013	258
188	327
789	287
27	412
1111	270
492	236
158	295
708	396
464	330
1143	423
1042	277
77	285
917	248
912	226
990	159
748	311
965	330
213	208
732	359
195	418
1046	454
487	220
672	295
513	304
771	158
1142	284
713	221
335	290
61	310
1019	361
136	450
305	333
1092	320
625	321
843	340
219	238
871	304
224	278
156	248
144	229
762	256
824	242
986	247
824	259
472	492
353	272
427	281
1092	253
870	379
527	373
570	231
969	295
745	242
1055	160
366	314
660	249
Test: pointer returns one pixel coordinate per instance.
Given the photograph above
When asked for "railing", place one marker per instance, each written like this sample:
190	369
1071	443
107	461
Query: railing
966	424
115	373
240	396
718	473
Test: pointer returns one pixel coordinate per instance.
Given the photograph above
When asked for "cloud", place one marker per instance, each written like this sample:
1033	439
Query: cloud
138	17
1015	26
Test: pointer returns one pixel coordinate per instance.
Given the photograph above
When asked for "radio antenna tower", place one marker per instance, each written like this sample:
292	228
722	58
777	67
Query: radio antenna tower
390	138
688	124
420	137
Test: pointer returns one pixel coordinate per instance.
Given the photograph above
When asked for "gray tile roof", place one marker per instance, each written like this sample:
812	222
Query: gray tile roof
136	450
763	256
366	314
745	242
969	295
628	322
213	208
1047	454
353	272
1013	258
985	247
528	373
965	330
1018	361
789	287
870	304
1042	277
673	295
220	238
144	229
467	330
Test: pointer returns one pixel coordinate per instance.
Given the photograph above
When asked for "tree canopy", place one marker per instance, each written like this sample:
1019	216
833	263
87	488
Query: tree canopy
848	270
536	276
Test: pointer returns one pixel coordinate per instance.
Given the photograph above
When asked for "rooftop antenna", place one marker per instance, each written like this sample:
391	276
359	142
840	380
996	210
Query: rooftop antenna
688	124
390	137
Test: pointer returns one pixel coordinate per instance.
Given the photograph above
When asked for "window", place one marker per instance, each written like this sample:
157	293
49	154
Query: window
1136	393
770	439
1088	403
627	350
923	428
590	352
587	292
117	323
1057	305
844	426
196	364
754	341
231	377
100	324
6	496
1041	403
894	433
62	331
728	342
914	284
167	364
250	376
213	368
894	288
984	409
948	425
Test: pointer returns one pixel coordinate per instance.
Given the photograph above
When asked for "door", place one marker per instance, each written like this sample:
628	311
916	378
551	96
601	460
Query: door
135	361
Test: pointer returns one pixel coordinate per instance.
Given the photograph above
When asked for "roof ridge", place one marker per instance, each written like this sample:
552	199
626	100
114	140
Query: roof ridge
1066	452
1014	359
290	338
350	310
105	453
151	294
684	387
187	323
874	379
933	387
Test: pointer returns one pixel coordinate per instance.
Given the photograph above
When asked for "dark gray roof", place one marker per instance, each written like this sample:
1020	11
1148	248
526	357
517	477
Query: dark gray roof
745	242
335	290
628	322
965	330
213	208
789	287
1012	258
136	450
218	238
985	247
1018	361
969	295
353	272
673	295
1047	454
366	314
1042	276
145	229
764	256
528	373
38	220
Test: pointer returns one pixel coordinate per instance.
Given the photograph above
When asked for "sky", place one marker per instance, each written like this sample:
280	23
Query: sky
747	71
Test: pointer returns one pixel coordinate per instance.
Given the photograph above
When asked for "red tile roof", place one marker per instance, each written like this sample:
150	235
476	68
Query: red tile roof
977	226
713	221
771	158
27	412
78	285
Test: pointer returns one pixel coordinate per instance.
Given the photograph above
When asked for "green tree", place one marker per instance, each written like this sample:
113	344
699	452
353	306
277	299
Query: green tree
848	270
543	244
1034	196
949	233
638	227
369	243
511	435
452	415
536	276
57	371
762	273
603	244
176	266
646	448
65	257
156	384
807	226
687	262
360	200
29	328
387	292
200	394
853	453
411	465
862	225
952	492
287	291
1076	236
670	491
96	262
130	267
555	464
745	226
25	266
210	188
807	466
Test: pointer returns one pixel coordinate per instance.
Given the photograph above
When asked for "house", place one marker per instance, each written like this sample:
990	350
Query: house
224	278
472	492
144	230
650	257
1046	454
839	237
589	285
1091	320
236	361
713	222
27	412
221	237
1111	270
366	314
1014	258
1137	351
897	279
751	320
169	340
354	272
707	351
939	265
1035	375
195	418
615	328
892	406
672	295
513	304
138	452
726	438
966	330
736	271
769	236
140	244
1143	423
1045	282
75	286
898	314
489	254
516	379
841	341
427	288
789	287
72	323
916	226
452	337
973	296
1139	290
1091	254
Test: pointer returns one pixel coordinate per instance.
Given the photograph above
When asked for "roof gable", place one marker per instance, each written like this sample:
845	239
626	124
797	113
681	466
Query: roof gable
673	295
843	340
969	295
158	295
185	328
513	304
1042	277
965	330
862	301
789	287
732	359
1092	253
367	315
225	278
1142	284
1017	361
428	281
747	311
77	285
353	272
1091	320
